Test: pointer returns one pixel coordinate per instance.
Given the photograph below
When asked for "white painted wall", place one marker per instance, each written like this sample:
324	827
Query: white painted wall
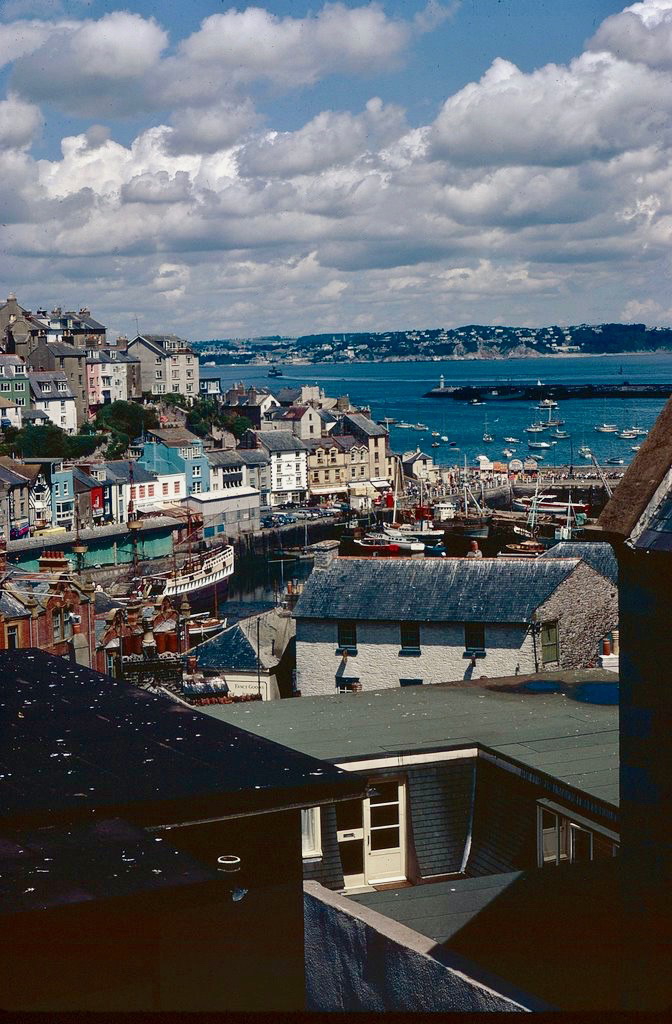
288	474
379	665
61	410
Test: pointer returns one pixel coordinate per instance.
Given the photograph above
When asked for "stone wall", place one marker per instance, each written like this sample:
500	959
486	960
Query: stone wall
585	607
379	663
358	960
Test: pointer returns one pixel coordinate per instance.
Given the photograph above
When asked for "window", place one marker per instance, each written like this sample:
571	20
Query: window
61	385
150	490
349	684
474	636
176	487
57	625
12	638
158	374
164	488
5	386
196	487
141	491
410	682
574	839
410	637
550	650
196	471
134	492
311	833
20	401
347	636
57	490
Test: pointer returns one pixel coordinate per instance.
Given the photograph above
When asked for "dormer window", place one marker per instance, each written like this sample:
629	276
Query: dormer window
45	386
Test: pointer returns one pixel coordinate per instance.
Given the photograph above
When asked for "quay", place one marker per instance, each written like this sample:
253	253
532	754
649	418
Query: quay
495	391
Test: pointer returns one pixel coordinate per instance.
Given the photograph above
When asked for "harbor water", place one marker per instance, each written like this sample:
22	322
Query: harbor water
396	390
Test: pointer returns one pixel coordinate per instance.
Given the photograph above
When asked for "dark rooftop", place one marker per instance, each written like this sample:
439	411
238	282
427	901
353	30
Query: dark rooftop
77	744
598	556
556	734
362	424
230	649
432	590
174	437
279	441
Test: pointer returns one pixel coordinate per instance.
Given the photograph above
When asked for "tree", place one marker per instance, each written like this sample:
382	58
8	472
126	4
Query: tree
126	418
48	441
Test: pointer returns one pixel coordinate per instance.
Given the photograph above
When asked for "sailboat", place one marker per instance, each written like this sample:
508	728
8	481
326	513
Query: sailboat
487	437
604	427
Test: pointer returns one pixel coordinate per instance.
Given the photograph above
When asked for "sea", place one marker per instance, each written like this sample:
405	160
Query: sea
396	390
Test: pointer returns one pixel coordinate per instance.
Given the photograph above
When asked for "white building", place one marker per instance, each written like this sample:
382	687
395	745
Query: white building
288	463
51	394
364	623
149	492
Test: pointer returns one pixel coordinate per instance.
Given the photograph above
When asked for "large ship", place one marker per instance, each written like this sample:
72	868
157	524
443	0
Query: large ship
197	579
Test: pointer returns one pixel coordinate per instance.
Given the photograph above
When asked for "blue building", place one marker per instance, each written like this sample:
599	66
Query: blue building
177	450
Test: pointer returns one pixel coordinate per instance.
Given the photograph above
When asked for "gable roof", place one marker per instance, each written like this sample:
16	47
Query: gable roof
120	472
362	424
226	457
432	590
253	456
141	339
644	476
599	556
295	412
174	437
408	460
230	650
279	441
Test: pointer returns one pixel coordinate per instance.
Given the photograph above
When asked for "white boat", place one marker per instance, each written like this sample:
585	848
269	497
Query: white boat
547	403
421	426
614	462
507	453
628	434
606	428
408	532
512	440
585	451
436	444
435	433
475	401
549	504
635	447
538	444
561	434
487	436
640	431
535	428
444	437
196	574
394	539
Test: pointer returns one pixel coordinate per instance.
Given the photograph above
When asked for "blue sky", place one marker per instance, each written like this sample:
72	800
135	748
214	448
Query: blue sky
227	170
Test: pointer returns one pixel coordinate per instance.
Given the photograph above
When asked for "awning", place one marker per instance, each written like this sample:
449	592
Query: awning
329	489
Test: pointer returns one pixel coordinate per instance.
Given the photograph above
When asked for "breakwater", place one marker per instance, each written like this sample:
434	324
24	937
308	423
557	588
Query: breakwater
497	392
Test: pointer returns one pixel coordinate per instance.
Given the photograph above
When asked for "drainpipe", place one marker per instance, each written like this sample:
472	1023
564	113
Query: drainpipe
535	627
258	659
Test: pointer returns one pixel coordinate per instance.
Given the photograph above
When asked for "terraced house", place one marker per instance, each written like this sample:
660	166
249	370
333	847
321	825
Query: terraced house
168	364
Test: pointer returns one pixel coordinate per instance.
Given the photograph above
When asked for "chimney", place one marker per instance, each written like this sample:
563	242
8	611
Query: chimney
54	561
325	553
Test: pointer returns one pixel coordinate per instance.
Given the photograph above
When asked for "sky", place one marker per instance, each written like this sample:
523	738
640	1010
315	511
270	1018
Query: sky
294	168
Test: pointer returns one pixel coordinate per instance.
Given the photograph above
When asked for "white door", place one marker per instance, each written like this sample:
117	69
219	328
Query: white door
385	832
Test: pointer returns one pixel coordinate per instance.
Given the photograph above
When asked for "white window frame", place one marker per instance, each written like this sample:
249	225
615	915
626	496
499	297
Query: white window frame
311	851
571	819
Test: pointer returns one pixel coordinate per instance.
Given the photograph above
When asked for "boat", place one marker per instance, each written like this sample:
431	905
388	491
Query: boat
628	434
453	444
202	628
487	437
614	462
444	437
391	542
421	426
275	371
476	401
560	434
435	433
535	428
417	532
525	549
585	451
549	504
547	403
512	440
435	551
406	426
377	544
538	444
507	453
635	447
436	444
197	574
606	428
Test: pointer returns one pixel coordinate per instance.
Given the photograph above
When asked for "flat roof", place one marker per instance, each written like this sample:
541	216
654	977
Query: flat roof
79	743
557	734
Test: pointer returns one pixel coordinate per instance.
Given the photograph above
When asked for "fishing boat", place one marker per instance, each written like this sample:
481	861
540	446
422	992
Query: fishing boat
525	549
628	434
424	531
377	544
549	504
196	576
407	544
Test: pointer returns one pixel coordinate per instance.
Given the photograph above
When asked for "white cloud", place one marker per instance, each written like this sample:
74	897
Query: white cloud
19	123
329	140
641	33
217	127
592	109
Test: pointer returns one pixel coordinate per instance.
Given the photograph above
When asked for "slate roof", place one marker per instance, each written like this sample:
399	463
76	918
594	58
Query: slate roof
415	457
225	458
641	479
554	734
62	348
10	608
347	441
8	476
363	424
295	412
119	473
143	339
79	744
432	590
175	437
279	441
598	556
253	456
286	394
34	414
230	650
84	479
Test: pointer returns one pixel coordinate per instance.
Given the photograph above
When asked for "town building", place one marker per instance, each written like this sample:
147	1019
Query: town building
50	393
111	377
384	623
288	463
301	420
210	385
10	414
418	466
132	487
252	403
227	512
61	357
329	467
168	365
14	500
176	451
258	465
14	385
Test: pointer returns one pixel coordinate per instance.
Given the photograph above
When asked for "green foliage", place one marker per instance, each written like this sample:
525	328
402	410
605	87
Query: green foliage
49	442
206	413
126	418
